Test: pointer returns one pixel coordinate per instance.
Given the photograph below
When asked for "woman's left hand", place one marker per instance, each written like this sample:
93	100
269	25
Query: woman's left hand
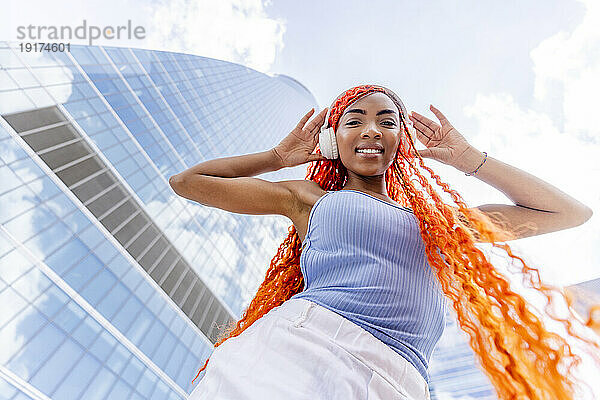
444	143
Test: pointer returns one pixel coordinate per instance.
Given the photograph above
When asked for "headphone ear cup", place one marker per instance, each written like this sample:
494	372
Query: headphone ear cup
334	149
327	143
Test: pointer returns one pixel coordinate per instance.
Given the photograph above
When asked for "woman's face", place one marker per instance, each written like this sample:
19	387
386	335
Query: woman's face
371	121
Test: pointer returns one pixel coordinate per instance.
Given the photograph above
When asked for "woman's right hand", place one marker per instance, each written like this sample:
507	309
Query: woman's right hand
297	147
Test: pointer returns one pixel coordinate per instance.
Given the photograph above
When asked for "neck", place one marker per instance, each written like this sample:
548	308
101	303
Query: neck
372	184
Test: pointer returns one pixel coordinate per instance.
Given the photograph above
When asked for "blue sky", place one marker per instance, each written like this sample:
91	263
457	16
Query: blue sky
520	80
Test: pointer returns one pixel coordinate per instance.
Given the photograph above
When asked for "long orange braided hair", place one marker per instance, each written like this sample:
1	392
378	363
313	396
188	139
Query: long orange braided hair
522	359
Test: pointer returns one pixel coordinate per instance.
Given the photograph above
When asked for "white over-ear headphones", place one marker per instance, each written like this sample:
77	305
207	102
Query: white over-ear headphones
328	144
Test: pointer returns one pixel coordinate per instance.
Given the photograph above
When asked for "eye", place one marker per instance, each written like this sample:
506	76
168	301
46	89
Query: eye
351	122
392	123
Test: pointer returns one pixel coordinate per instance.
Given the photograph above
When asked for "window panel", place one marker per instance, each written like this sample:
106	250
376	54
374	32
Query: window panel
97	289
177	326
103	345
153	338
13	265
140	326
23	77
22	226
132	372
51	301
105	252
10	179
59	365
64	92
69	317
78	379
144	291
116	153
118	359
18	331
176	360
49	240
120	390
26	169
86	89
87	331
132	278
189	369
91	237
45	189
166	315
113	301
187	337
127	314
104	139
100	386
40	97
82	55
12	303
32	284
12	151
119	265
63	258
165	350
15	202
81	273
146	383
161	391
136	396
79	109
61	205
29	359
77	220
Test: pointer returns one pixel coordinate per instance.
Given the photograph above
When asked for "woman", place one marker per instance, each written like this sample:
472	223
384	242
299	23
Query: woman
353	302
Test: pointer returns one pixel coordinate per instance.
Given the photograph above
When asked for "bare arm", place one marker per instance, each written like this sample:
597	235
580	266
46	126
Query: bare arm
536	201
227	183
236	166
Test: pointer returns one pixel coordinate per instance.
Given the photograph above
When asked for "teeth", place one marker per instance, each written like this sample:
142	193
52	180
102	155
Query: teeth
369	151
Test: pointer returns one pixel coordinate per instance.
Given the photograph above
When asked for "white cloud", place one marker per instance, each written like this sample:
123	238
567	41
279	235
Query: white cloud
569	63
235	30
560	147
565	156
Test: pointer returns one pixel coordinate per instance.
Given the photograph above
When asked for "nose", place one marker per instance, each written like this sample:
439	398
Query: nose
371	129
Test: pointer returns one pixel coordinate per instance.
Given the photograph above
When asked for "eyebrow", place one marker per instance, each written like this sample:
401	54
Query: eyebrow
363	112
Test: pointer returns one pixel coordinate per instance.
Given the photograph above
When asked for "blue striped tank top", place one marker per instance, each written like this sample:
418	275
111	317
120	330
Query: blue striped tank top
364	258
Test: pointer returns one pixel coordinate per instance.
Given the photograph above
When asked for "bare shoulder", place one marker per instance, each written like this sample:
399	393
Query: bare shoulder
305	192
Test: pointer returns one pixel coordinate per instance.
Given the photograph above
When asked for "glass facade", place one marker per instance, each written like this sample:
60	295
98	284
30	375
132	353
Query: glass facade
587	295
111	286
454	371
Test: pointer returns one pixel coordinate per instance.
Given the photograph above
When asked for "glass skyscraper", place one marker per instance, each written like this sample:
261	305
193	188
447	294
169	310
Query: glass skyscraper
453	369
455	373
111	286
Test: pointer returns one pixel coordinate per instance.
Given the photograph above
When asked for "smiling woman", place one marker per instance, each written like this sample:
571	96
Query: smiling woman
353	302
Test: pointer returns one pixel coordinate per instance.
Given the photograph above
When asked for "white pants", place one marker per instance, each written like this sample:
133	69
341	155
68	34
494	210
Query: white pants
301	350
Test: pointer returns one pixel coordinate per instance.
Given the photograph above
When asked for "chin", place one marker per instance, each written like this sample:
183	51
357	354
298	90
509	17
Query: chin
368	171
